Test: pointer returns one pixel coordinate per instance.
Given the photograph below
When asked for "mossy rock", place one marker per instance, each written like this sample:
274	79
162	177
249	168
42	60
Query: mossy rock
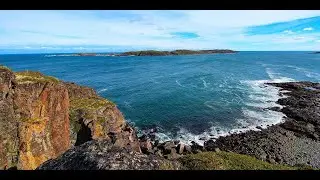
34	77
227	161
90	103
166	165
5	67
30	120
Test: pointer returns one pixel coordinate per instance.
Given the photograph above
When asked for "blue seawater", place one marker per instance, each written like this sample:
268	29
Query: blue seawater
192	97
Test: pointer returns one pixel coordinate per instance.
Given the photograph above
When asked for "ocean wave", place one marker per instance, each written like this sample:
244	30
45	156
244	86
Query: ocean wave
102	90
179	83
255	114
306	72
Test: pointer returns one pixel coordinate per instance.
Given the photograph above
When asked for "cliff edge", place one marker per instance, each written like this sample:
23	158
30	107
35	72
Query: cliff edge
41	117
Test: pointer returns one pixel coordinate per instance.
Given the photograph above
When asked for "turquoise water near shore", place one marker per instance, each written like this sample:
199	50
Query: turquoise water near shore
192	97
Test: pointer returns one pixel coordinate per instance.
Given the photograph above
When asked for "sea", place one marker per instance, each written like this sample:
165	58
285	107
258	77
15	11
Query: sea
189	97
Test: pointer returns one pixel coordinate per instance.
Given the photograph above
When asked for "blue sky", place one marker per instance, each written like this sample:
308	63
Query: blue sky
115	30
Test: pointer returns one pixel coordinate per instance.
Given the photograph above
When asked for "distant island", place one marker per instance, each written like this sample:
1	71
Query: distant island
155	53
176	52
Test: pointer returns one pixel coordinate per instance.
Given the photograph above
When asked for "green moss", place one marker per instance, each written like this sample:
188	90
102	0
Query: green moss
303	167
74	124
30	120
101	120
88	107
166	165
4	67
90	103
34	77
227	161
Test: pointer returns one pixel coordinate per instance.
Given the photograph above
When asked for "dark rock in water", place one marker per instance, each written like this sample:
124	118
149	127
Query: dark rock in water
102	155
276	108
143	137
196	148
176	142
259	127
202	138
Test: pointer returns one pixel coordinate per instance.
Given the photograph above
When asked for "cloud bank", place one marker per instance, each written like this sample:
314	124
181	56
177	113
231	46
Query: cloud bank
113	30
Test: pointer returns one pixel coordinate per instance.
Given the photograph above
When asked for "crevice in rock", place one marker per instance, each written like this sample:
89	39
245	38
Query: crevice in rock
112	136
84	134
13	168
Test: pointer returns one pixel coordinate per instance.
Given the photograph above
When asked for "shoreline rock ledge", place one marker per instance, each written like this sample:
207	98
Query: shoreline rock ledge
296	141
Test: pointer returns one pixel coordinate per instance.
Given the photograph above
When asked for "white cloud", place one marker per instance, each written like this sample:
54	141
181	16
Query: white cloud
217	29
288	32
308	29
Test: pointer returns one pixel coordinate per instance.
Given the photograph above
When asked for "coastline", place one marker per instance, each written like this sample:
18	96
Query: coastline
153	53
294	141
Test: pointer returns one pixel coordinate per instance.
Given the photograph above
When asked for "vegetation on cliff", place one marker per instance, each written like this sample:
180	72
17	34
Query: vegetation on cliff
90	103
34	77
4	67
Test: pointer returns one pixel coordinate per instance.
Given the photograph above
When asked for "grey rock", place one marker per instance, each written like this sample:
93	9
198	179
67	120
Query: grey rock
180	148
102	155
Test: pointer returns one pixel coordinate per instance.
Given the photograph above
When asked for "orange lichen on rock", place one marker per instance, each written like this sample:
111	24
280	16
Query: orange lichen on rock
38	120
43	110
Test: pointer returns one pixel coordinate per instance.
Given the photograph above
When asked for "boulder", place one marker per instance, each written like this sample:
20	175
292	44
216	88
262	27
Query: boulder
104	155
180	148
146	146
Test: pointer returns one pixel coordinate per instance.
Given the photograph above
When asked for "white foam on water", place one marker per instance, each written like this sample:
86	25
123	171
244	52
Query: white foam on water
255	114
179	83
127	104
102	90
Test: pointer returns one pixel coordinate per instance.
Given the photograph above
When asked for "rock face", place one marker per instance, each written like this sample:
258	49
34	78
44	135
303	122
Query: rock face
36	119
42	117
296	141
104	155
8	122
93	117
43	112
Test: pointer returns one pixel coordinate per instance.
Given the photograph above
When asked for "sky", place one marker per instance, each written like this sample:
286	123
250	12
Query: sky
42	31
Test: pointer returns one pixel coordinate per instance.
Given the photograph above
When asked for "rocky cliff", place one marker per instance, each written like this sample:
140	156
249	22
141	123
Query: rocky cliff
41	117
49	124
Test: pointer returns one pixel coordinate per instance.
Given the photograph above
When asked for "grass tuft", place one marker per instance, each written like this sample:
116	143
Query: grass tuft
34	77
5	67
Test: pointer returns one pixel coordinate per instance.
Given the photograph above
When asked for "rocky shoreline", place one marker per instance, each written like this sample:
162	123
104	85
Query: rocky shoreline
293	142
49	124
